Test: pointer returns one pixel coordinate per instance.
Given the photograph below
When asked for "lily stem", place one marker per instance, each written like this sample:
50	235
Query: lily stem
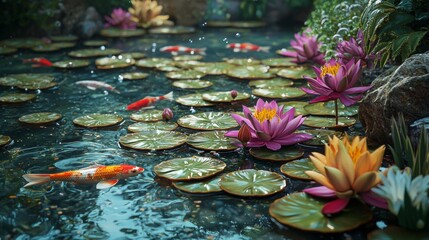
336	112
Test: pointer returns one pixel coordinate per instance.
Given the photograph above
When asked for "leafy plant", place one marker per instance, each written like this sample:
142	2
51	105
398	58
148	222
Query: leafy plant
395	29
253	9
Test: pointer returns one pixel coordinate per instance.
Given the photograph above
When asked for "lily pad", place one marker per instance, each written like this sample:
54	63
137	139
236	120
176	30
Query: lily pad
296	169
145	126
94	52
95	43
242	61
252	183
97	120
206	186
214	68
220	97
223	24
37	85
153	62
397	233
188	64
22	42
185	74
172	30
45	48
188	57
71	63
304	212
280	92
284	154
133	76
64	38
296	73
211	140
4	140
13	80
328	122
193	100
153	140
278	62
40	118
320	136
133	55
117	32
298	105
192	84
113	62
168	68
208	121
151	115
7	50
271	83
247	24
250	72
328	109
17	97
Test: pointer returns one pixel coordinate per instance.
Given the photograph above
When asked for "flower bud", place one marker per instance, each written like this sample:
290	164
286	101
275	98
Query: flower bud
234	93
167	114
244	134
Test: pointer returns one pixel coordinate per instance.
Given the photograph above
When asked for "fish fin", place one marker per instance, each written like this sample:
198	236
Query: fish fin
107	183
90	88
36	179
264	49
202	51
169	96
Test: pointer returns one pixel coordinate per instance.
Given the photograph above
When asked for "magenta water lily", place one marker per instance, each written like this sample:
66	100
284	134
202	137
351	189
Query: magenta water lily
354	50
306	50
270	126
121	19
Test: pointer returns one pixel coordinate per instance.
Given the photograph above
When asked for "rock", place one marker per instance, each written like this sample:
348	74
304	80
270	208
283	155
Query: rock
90	23
72	11
416	129
184	12
400	89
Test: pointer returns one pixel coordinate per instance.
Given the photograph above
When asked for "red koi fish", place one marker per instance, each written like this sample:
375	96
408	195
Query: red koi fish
93	85
104	176
147	101
174	50
38	62
244	47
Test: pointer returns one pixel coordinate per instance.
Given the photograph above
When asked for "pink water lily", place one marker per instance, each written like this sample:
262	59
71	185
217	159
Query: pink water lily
269	126
305	50
354	50
121	19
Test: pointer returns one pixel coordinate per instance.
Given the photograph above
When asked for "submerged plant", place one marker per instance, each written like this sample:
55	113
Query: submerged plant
146	13
347	169
269	126
121	19
306	50
354	50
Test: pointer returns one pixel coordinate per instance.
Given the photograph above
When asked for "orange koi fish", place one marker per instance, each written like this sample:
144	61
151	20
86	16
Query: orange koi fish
147	101
38	62
174	50
244	47
104	176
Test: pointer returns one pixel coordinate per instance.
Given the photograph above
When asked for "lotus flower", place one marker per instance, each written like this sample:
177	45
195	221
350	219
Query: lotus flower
167	114
354	50
306	50
269	126
146	13
347	170
121	19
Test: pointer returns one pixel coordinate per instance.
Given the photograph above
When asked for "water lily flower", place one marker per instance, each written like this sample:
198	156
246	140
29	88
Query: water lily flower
244	134
347	169
306	50
167	114
354	49
121	19
269	126
234	93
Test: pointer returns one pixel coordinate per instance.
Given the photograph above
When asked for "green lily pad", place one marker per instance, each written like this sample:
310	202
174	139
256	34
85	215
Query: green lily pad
113	62
247	24
133	76
185	74
320	136
63	45
214	68
278	62
206	186
296	73
40	118
188	64
151	115
133	55
95	43
192	84
397	233
37	85
328	122
153	140
284	154
252	183
168	68
45	48
22	42
328	109
242	61
298	105
13	80
97	120
208	121
271	83
188	57
94	52
250	72
193	100
71	63
153	62
219	23
7	50
4	140
17	97
117	32
296	169
280	92
64	38
211	140
220	97
304	212
146	126
172	30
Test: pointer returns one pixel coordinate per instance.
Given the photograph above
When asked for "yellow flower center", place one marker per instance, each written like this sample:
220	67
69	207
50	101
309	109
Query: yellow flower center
265	114
331	69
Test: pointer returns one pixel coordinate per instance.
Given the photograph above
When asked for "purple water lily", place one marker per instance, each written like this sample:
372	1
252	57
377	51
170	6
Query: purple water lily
306	50
121	19
354	49
269	126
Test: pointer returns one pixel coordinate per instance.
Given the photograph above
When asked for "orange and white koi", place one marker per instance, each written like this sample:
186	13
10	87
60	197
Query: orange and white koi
38	62
93	85
147	101
104	176
174	50
244	47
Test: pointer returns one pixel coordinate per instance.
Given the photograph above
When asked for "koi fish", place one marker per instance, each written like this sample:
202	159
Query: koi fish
93	85
38	62
174	50
147	101
244	47
104	176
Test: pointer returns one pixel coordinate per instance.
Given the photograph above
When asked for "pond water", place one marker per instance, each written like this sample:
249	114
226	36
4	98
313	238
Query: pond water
144	206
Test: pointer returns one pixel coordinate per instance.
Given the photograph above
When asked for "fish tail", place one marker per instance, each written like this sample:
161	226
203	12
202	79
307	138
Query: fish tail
169	96
264	49
202	51
36	179
116	91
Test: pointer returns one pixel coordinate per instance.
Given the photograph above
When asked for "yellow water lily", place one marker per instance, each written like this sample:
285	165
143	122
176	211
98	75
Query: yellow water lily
146	13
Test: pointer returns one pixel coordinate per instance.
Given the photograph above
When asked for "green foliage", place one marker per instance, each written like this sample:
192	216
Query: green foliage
253	9
299	3
413	217
395	29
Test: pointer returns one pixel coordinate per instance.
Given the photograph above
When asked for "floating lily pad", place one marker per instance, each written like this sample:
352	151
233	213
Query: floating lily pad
271	83
97	120
243	61
188	64
304	212
151	115
64	38
297	168
37	85
133	76
214	68
247	24
168	68
22	42
194	57
298	105
172	30
7	50
397	233
211	140
185	74
320	136
220	97
296	73
250	72
40	118
153	62
206	186
4	140
63	45
278	62
71	63
284	154
145	126
117	32
193	100
45	48
328	122
113	62
153	140
192	84
328	109
219	24
17	97
94	52
133	55
13	80
208	121
252	183
95	43
280	92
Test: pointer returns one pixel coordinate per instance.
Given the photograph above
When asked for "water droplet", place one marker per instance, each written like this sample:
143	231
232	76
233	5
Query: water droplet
237	35
102	48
